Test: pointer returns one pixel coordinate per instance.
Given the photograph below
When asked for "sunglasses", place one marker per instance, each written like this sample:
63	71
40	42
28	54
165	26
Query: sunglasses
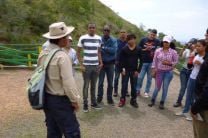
106	30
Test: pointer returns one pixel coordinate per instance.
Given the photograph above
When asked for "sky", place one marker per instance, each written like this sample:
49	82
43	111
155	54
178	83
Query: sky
182	19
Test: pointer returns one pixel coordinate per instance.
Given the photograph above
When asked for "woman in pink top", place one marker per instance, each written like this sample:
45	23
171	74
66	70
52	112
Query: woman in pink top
163	64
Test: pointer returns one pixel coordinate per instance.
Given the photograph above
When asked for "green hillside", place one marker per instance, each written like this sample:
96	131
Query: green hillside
24	21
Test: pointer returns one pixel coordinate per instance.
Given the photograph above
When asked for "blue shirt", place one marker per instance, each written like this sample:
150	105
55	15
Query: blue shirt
108	50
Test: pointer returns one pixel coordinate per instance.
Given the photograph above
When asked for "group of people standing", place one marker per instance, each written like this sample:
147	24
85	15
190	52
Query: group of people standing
114	57
99	56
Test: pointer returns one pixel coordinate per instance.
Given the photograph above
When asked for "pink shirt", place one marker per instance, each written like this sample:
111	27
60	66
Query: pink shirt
161	56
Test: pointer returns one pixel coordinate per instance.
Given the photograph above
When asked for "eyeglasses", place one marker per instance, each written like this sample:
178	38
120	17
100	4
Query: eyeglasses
122	32
106	30
91	27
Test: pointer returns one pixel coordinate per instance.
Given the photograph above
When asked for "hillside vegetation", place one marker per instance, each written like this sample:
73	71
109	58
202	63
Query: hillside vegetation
24	21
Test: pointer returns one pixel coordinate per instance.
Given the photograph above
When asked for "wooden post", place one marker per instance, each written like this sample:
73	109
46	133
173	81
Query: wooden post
29	60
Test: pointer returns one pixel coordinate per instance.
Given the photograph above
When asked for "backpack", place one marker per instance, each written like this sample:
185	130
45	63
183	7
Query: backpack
36	84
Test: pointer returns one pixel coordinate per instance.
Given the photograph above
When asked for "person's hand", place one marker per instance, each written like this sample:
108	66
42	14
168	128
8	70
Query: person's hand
75	106
123	72
153	73
193	116
166	62
136	74
82	68
100	66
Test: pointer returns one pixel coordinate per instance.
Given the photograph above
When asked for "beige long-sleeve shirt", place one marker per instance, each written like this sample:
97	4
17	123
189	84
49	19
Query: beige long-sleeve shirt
59	80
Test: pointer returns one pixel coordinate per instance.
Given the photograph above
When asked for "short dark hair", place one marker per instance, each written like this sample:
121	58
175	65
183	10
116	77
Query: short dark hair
93	24
154	31
54	41
207	31
130	36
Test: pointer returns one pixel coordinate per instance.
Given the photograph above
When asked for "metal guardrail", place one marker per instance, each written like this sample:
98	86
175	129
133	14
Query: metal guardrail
19	54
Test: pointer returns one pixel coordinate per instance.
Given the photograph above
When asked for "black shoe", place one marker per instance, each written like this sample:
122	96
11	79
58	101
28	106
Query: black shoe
152	103
85	108
134	103
115	94
177	104
111	102
96	106
99	100
161	106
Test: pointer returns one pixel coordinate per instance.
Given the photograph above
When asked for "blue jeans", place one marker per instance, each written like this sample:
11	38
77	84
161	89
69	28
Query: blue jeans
90	76
146	68
133	81
189	95
109	71
184	76
162	77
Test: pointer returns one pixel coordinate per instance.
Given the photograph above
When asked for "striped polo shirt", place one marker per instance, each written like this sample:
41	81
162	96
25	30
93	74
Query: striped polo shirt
90	45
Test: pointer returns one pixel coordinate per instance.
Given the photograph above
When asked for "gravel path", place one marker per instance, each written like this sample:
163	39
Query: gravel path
18	120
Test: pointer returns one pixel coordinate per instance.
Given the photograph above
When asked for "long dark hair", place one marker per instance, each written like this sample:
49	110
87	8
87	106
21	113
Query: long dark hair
204	44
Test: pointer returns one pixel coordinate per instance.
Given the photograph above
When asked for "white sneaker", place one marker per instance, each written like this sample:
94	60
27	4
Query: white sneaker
188	116
146	95
180	114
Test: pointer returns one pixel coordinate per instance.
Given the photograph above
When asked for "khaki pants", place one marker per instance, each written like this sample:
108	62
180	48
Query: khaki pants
201	127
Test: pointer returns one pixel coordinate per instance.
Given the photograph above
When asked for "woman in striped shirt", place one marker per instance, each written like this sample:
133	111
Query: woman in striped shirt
163	64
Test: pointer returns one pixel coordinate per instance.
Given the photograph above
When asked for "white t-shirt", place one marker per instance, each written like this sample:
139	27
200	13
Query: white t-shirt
196	68
90	45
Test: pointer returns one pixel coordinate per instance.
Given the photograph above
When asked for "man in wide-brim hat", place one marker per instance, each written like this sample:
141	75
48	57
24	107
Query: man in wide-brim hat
61	93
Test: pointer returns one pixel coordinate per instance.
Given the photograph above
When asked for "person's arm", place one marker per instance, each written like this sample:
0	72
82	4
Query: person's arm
111	49
141	45
201	90
79	56
79	49
140	60
100	58
175	59
121	60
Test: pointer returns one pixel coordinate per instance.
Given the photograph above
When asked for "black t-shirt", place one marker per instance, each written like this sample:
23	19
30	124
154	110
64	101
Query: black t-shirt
128	59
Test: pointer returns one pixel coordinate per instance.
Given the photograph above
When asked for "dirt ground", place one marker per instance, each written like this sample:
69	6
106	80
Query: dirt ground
18	120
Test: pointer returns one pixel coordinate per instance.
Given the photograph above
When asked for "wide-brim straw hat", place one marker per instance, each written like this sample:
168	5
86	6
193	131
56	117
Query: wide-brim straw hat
58	30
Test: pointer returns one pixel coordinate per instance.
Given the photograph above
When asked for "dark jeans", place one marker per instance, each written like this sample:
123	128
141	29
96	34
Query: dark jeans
60	117
184	76
190	96
116	79
90	77
133	82
109	71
